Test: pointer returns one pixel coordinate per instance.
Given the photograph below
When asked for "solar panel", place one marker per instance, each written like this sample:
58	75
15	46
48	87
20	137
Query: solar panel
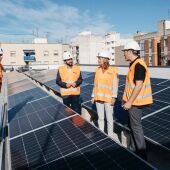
157	81
32	115
71	144
163	95
55	88
89	80
85	93
158	88
50	83
20	87
18	83
157	127
25	96
86	74
15	77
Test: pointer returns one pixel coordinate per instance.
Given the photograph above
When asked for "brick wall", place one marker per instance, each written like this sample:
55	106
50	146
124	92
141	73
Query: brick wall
162	49
154	52
169	49
146	50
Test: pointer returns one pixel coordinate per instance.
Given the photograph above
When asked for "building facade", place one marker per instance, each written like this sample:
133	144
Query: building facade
36	53
86	46
155	46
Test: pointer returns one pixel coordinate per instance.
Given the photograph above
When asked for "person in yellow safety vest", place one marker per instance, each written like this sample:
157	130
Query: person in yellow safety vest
105	92
1	55
69	79
137	93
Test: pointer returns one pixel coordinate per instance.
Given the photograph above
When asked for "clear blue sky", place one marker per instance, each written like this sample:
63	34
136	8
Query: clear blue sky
63	19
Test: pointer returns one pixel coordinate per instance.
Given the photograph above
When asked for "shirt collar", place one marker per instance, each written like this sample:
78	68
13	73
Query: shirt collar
134	61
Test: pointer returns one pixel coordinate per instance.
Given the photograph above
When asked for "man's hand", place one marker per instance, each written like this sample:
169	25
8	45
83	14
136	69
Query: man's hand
68	85
73	84
113	101
92	100
127	106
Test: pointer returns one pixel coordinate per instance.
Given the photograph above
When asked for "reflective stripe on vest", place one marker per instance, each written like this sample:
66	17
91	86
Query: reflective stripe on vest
70	90
103	84
69	77
145	95
139	97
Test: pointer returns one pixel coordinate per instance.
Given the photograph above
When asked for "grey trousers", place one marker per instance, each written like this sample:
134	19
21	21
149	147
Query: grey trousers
108	109
137	141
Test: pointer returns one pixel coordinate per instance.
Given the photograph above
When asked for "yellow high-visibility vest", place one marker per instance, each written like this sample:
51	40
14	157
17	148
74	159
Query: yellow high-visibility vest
145	95
69	77
1	73
105	84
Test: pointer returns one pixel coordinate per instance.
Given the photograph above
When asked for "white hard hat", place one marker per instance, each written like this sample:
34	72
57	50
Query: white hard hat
104	54
1	51
67	55
132	45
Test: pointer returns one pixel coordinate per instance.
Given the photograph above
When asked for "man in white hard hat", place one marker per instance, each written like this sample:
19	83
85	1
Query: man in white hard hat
105	91
137	94
1	56
69	79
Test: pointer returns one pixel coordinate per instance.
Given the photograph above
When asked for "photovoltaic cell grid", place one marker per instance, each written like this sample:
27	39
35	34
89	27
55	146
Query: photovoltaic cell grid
19	83
15	77
157	128
25	97
86	92
71	144
157	81
32	115
20	87
163	95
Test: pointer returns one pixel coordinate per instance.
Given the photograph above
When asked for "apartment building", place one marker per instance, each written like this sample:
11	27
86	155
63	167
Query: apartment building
39	52
155	46
86	46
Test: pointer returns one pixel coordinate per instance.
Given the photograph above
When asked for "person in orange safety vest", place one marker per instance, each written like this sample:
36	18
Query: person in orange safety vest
105	92
1	56
69	79
137	94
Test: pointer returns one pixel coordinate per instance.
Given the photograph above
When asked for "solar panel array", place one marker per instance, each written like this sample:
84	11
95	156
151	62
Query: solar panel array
71	144
45	134
161	94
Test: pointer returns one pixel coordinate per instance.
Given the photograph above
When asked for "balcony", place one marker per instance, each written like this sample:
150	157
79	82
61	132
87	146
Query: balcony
29	58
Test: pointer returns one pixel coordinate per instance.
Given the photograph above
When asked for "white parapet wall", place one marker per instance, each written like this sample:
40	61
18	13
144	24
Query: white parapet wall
155	72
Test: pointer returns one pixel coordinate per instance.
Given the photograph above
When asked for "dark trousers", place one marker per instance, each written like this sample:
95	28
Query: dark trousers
137	142
72	101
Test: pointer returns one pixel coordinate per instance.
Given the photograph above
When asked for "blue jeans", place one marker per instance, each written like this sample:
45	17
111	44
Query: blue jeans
72	101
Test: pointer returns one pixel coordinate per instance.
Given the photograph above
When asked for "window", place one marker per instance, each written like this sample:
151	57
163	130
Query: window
150	44
56	62
12	63
142	45
46	53
13	53
55	53
166	42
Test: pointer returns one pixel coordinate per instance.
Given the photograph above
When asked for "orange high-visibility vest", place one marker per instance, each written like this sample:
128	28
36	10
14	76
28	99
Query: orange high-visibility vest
145	95
1	73
69	77
103	84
